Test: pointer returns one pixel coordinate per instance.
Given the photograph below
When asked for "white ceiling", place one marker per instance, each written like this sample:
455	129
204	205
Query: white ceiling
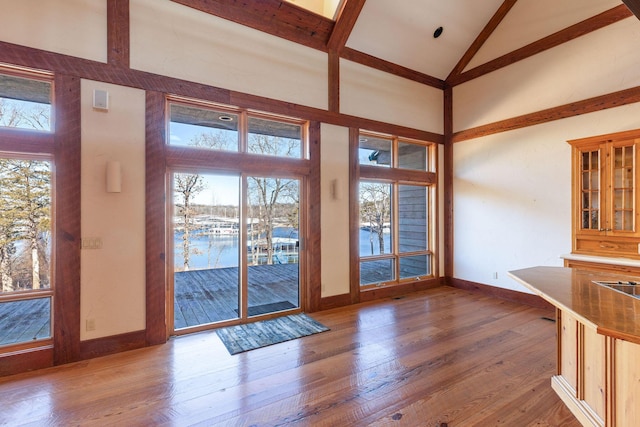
401	31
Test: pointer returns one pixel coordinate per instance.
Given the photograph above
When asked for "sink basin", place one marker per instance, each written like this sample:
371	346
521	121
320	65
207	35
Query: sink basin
629	288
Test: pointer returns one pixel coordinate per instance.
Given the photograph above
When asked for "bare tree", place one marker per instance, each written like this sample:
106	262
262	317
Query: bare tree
266	194
375	208
187	186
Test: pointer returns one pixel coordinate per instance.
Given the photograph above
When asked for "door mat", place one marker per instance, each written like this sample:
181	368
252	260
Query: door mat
268	308
250	336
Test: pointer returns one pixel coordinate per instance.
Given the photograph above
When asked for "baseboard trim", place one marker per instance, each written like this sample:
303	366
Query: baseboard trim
501	293
335	301
373	294
397	290
26	360
112	344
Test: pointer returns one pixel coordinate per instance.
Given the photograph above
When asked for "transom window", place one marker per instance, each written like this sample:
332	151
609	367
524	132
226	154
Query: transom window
216	127
25	102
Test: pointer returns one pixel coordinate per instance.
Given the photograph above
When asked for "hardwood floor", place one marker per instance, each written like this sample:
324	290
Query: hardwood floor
443	356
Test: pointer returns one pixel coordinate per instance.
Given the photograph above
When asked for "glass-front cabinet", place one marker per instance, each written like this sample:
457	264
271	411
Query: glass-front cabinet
605	199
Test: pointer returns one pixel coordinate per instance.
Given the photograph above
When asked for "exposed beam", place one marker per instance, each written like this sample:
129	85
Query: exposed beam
484	35
67	140
345	21
155	223
598	103
447	177
334	82
275	17
391	68
587	26
118	33
634	6
282	19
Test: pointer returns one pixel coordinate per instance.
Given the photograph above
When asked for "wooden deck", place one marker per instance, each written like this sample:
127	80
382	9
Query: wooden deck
25	321
439	357
201	297
207	296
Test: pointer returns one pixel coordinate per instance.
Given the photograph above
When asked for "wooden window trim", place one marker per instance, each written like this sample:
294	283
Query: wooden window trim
396	177
61	147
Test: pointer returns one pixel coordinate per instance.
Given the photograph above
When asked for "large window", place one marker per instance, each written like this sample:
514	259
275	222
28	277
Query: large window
26	282
396	196
237	181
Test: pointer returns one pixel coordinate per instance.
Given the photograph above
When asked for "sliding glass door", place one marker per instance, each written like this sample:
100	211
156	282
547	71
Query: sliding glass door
272	245
206	249
237	178
235	248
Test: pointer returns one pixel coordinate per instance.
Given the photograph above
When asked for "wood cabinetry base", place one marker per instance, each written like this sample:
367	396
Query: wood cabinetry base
581	411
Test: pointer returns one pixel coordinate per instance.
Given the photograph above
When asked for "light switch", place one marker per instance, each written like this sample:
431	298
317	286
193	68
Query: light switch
91	243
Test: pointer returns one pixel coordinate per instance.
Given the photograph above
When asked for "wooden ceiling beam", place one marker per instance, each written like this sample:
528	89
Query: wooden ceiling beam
591	105
275	17
345	21
594	23
118	33
634	6
484	35
391	68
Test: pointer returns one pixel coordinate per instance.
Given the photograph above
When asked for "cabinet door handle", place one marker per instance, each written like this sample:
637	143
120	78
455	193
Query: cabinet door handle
605	229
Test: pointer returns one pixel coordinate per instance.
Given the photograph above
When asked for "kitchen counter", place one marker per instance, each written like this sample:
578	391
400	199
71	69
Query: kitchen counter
598	335
611	312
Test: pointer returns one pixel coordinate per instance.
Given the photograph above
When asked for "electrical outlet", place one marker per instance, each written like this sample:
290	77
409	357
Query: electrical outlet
90	325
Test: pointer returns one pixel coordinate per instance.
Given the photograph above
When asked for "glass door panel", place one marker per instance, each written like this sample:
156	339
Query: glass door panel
26	288
272	245
206	241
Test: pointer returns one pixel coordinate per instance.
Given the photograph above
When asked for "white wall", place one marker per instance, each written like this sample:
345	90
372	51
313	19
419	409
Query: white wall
72	27
512	195
174	40
112	288
373	94
334	215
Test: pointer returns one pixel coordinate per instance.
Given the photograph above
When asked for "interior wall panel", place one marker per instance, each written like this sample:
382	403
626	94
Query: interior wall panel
113	274
512	195
181	42
71	27
373	94
334	160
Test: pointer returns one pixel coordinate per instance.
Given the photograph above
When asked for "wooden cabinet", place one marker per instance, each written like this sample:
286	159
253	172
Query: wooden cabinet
605	200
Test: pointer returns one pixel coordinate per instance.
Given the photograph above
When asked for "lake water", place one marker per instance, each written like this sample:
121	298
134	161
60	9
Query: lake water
218	251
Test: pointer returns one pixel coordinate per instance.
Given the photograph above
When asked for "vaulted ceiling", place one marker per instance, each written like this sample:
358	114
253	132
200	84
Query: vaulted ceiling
399	36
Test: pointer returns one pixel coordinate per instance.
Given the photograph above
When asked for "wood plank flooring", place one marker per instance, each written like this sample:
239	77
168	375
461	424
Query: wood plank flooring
433	357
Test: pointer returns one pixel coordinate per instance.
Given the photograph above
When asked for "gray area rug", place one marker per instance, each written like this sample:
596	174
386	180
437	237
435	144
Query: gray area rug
247	337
